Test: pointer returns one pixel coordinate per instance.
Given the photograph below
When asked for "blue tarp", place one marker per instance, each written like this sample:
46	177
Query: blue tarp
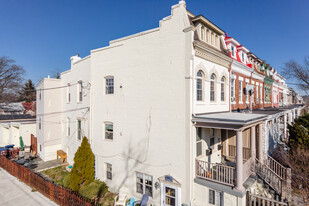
9	146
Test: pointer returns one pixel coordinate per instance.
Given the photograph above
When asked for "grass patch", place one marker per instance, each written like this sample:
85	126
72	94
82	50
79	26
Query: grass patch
59	175
95	190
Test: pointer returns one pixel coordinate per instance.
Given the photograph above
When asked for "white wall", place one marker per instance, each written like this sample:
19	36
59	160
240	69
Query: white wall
74	110
148	108
49	114
206	105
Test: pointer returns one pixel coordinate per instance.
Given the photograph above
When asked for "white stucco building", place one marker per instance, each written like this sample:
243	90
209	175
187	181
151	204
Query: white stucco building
12	127
156	109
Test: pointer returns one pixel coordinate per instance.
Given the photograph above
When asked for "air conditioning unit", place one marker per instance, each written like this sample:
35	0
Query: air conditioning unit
233	99
220	146
208	152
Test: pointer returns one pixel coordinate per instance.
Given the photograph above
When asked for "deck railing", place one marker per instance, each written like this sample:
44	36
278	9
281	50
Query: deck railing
215	172
248	168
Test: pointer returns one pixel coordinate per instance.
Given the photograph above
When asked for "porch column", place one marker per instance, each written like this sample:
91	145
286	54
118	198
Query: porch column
239	161
253	147
284	126
260	139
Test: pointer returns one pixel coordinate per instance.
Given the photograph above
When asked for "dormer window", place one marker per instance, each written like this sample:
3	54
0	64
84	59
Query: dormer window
233	51
242	57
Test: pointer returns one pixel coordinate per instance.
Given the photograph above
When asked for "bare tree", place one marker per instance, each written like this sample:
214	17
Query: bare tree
10	79
299	72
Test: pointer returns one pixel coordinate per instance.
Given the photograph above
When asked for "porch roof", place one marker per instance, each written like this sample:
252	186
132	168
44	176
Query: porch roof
228	120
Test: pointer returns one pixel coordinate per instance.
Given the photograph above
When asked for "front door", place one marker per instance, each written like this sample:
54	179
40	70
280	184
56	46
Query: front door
169	195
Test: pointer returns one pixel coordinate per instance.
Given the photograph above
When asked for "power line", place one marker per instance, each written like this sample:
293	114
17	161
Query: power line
61	112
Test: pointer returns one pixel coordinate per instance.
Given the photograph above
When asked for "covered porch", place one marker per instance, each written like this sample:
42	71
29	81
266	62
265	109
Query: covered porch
227	145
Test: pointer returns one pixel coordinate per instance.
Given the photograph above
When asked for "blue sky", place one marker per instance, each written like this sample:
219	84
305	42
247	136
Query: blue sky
42	35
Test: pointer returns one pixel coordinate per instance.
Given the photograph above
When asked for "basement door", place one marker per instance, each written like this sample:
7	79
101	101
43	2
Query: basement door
170	195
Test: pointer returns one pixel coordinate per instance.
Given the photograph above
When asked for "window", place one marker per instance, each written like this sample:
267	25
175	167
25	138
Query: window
217	41
68	127
212	138
203	33
215	197
247	95
242	56
68	94
79	129
198	141
80	91
144	183
109	130
233	90
240	91
170	196
207	36
109	85
109	171
212	87
199	86
40	123
233	51
257	94
212	39
223	89
40	148
261	93
40	95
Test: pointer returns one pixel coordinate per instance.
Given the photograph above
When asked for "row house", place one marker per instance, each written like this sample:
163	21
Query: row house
157	108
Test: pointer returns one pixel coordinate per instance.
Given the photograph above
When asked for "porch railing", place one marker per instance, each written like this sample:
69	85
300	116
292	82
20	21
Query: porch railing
248	168
215	172
246	152
254	200
276	167
269	176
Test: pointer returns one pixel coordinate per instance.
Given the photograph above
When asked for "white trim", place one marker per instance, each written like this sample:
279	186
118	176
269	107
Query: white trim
257	84
240	78
247	80
177	194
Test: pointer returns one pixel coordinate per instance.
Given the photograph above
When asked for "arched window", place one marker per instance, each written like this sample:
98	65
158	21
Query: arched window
199	85
223	89
212	87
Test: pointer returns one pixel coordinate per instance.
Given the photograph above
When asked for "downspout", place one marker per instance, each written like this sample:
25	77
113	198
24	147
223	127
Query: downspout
192	145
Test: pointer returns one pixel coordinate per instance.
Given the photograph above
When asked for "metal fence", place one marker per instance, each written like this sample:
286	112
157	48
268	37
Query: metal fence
58	194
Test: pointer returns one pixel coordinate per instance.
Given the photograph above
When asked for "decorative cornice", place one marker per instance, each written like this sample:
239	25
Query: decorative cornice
210	54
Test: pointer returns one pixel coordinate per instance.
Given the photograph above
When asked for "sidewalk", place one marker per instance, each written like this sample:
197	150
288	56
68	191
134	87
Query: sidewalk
15	192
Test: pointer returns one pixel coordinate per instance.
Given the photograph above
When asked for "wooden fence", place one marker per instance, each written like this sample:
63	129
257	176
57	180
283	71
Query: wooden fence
56	193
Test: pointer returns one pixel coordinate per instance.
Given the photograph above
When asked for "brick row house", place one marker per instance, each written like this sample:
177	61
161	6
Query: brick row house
182	113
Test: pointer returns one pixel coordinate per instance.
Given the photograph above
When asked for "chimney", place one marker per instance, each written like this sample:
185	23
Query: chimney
74	59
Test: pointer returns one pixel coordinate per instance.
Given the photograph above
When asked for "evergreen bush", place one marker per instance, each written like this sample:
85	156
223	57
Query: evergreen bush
82	172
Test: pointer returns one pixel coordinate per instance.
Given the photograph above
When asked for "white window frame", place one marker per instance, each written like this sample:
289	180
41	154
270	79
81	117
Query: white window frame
146	182
198	141
109	85
200	80
68	127
109	171
40	124
240	88
218	197
233	52
212	92
223	89
257	94
68	93
233	99
79	130
261	93
108	135
80	91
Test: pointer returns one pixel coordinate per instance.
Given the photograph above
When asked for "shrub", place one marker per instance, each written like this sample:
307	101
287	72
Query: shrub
83	167
95	189
66	180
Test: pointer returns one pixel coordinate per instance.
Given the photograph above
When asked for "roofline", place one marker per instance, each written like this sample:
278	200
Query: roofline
208	22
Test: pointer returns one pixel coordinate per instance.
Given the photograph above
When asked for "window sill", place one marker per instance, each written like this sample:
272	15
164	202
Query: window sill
200	103
233	102
108	140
